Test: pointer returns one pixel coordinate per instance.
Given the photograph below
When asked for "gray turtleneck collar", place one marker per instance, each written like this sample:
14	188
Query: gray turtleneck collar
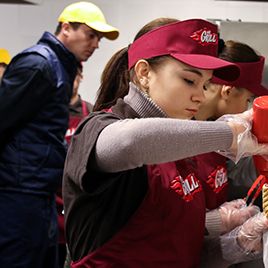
143	105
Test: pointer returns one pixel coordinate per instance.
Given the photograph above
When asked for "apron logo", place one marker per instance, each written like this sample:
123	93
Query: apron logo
186	188
218	179
205	37
70	132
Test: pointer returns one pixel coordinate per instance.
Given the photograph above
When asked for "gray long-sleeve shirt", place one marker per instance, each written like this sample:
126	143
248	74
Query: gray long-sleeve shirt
156	140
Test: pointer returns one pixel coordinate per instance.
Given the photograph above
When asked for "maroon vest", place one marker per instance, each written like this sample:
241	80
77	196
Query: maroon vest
167	229
211	170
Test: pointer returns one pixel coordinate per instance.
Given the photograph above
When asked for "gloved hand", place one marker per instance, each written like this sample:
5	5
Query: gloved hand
235	213
244	243
244	142
250	233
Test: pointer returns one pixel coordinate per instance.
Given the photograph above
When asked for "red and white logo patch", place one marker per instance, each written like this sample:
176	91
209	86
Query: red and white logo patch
186	188
205	37
218	179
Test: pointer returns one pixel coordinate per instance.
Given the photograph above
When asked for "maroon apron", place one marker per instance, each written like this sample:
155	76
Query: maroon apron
73	124
166	230
212	171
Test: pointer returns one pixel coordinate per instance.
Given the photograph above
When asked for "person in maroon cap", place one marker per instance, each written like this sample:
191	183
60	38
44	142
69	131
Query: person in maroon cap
232	213
130	196
225	97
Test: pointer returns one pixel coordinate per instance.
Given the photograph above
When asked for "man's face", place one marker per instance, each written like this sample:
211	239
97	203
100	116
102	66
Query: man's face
82	42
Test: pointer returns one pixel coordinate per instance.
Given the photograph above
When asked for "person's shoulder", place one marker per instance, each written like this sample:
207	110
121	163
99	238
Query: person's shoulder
103	117
97	121
31	60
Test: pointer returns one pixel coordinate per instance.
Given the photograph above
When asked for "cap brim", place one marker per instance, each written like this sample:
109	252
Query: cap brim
222	69
107	30
259	90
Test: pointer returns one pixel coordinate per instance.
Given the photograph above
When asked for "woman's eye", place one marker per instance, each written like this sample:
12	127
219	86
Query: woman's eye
205	87
190	82
251	99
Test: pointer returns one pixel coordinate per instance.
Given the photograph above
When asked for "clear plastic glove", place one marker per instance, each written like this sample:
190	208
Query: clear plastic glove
244	142
265	249
244	243
241	244
235	213
250	233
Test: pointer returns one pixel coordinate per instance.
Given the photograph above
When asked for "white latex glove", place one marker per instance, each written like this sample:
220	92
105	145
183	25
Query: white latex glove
235	213
244	142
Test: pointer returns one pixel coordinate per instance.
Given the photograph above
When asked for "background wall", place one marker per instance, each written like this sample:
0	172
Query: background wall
22	25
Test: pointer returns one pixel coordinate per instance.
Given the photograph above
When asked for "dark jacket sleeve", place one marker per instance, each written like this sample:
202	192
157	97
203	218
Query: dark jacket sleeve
26	86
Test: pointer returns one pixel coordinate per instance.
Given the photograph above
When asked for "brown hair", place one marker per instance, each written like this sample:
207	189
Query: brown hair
238	52
74	25
2	64
115	77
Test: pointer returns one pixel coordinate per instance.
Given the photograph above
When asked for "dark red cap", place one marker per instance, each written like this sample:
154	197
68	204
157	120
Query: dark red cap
250	77
193	42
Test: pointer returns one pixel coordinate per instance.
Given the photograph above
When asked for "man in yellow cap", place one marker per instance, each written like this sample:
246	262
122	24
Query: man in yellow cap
34	96
4	61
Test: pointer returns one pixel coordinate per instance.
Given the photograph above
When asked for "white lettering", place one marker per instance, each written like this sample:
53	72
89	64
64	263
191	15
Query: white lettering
208	37
194	183
189	186
186	187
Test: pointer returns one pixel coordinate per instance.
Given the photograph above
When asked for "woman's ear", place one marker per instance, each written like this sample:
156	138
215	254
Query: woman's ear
142	69
226	91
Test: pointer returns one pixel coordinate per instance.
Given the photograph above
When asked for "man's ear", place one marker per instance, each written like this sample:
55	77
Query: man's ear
142	69
65	29
226	91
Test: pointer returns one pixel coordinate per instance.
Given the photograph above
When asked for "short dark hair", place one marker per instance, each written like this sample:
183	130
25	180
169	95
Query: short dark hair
74	25
2	64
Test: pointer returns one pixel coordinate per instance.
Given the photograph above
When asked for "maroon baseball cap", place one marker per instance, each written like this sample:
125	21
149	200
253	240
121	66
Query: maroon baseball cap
250	77
193	42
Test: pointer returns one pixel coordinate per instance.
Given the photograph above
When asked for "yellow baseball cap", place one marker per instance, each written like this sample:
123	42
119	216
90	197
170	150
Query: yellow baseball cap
4	56
91	15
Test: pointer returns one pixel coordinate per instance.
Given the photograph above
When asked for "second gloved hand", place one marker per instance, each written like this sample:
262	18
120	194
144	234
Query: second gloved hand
244	243
235	213
250	233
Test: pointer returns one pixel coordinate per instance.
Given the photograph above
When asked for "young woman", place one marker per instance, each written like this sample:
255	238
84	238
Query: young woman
128	201
224	97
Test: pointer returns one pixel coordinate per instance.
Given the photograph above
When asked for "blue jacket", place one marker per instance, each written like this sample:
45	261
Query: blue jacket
34	98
